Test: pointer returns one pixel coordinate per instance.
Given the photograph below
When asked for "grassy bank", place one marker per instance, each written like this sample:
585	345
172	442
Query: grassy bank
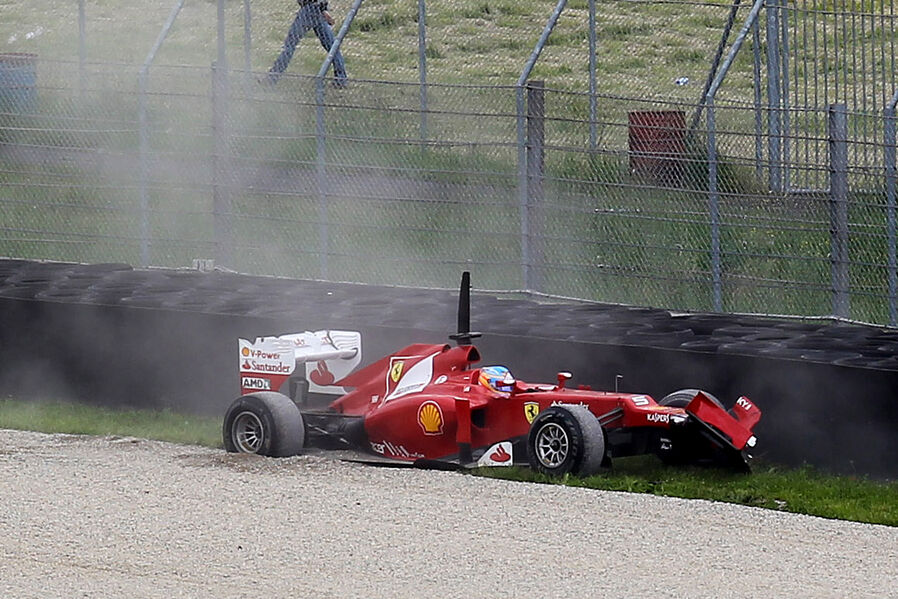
802	491
59	417
643	45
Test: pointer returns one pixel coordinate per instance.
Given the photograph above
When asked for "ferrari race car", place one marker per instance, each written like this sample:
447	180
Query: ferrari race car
429	405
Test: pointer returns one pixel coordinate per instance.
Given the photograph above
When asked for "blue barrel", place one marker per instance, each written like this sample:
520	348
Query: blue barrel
18	79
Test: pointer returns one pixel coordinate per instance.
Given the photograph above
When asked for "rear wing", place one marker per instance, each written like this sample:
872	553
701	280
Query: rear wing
319	357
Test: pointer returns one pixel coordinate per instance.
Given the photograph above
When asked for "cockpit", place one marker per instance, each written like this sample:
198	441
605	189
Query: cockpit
497	378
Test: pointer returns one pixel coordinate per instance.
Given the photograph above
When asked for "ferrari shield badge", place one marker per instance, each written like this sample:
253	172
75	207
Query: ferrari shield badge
402	381
531	409
396	370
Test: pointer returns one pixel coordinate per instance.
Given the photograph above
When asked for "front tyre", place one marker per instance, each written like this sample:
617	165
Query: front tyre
263	423
686	447
566	439
681	398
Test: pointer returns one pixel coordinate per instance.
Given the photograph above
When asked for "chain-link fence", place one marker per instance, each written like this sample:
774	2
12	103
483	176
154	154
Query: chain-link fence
764	190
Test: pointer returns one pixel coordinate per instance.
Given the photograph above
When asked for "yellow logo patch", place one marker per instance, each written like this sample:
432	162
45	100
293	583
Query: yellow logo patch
430	417
396	370
531	409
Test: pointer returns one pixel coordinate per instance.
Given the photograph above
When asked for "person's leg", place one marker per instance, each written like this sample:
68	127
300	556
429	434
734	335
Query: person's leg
297	30
326	36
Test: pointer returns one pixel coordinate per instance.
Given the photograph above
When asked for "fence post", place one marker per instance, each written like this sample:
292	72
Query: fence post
713	195
838	207
523	191
221	199
774	149
321	175
889	152
714	210
536	134
523	200
338	40
320	170
82	46
785	119
422	64
247	42
144	134
756	76
143	152
593	109
715	63
220	37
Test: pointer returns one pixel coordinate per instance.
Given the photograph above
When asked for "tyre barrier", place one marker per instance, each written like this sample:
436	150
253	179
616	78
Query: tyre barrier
114	335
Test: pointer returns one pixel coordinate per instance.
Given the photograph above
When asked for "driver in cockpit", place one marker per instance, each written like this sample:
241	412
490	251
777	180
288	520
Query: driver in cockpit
497	378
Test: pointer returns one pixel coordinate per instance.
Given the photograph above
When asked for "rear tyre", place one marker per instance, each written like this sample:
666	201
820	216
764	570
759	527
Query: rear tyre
566	439
681	398
264	423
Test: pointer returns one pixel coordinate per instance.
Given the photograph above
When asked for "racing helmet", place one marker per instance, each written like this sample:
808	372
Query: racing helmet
497	378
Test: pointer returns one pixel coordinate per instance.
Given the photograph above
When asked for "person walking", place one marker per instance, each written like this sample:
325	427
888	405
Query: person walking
312	15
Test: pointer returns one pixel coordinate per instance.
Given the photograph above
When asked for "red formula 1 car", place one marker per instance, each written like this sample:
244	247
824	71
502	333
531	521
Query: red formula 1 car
430	405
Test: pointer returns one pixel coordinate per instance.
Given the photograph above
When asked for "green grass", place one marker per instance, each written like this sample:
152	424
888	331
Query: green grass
79	419
473	40
802	491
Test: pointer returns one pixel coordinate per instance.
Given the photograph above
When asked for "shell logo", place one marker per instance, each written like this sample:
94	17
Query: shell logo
430	417
245	352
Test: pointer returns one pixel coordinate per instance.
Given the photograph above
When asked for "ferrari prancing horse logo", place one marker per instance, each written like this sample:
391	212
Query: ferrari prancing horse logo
531	409
396	370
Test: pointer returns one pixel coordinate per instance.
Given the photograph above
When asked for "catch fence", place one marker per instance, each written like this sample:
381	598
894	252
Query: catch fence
765	191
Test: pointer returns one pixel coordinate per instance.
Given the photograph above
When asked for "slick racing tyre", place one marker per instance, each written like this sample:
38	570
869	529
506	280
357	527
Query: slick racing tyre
566	439
264	423
681	398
